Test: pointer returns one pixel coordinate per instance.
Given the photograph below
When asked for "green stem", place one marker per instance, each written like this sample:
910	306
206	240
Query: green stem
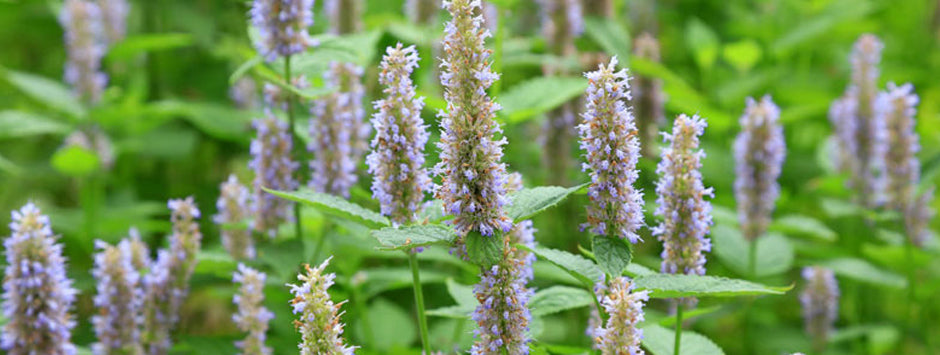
678	326
752	259
298	228
419	301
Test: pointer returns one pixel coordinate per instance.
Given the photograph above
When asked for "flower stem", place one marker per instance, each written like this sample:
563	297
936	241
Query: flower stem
678	326
752	258
419	300
298	229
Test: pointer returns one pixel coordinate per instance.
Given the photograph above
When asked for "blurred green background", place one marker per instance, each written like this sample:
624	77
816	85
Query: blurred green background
175	132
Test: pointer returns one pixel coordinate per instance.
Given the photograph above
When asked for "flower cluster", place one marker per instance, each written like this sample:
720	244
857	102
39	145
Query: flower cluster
503	315
759	152
397	158
244	93
522	233
338	132
274	169
84	43
345	15
472	174
686	215
648	97
319	324
282	26
620	335
37	296
918	216
167	284
119	300
115	19
611	147
902	167
820	301
232	218
252	317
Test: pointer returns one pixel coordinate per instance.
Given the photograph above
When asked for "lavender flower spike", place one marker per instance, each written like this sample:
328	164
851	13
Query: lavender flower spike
84	42
611	147
252	317
422	12
119	300
233	211
686	215
759	152
345	15
820	300
503	315
282	26
899	105
648	97
167	284
338	131
472	174
918	216
397	158
274	169
115	19
319	324
37	296
620	335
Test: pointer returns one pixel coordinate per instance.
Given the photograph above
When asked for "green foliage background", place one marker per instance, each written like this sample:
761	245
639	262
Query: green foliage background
176	133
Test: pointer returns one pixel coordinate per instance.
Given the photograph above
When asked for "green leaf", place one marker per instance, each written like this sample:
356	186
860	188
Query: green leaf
579	267
409	237
688	314
774	252
459	311
432	212
219	121
610	35
528	202
803	225
482	250
52	93
215	262
636	270
840	209
703	42
148	42
559	298
662	341
335	206
677	286
612	254
863	271
816	26
401	335
537	96
382	279
462	294
742	55
75	161
18	124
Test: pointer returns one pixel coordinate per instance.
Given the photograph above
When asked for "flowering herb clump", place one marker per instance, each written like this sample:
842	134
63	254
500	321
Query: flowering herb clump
620	334
274	169
233	219
820	301
85	46
319	324
252	317
119	300
282	26
338	131
759	151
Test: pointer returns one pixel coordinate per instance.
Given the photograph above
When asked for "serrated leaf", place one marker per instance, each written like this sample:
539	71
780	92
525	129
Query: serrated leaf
409	237
805	225
148	42
863	271
18	124
582	269
662	341
50	92
528	202
334	205
774	252
559	298
484	250
677	286
612	254
75	161
537	96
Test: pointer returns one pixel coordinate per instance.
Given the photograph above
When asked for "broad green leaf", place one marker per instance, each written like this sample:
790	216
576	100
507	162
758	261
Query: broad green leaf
805	225
378	280
459	311
528	202
660	340
334	205
774	252
637	270
610	35
559	298
75	161
840	209
244	68
484	250
539	95
385	338
742	55
682	97
52	93
579	267
215	262
687	314
881	337
219	121
18	124
148	42
408	237
703	42
863	271
462	294
821	25
612	254
676	286
9	167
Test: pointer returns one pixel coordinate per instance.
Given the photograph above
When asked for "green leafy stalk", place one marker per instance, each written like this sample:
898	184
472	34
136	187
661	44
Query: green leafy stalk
752	258
419	301
678	326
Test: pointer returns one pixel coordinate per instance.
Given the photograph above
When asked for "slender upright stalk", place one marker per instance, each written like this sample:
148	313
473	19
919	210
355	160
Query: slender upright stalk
752	258
678	326
419	301
298	229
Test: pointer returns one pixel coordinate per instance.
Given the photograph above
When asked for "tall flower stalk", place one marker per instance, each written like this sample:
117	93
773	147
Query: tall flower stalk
119	300
232	219
85	46
252	316
114	19
319	325
820	300
899	105
274	169
37	295
338	131
648	98
282	27
611	150
345	15
620	334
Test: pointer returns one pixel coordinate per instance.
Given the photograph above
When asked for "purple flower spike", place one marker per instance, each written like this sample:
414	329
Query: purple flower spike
37	296
502	315
274	169
820	300
119	300
472	174
759	152
282	26
338	131
233	212
252	317
115	19
85	46
345	16
319	325
611	148
397	158
686	215
899	105
648	98
620	335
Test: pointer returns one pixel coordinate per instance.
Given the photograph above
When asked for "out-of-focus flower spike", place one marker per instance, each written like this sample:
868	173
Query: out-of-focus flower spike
319	325
252	316
282	26
274	169
345	16
759	152
276	96
917	218
115	19
561	24
820	300
898	106
37	295
422	11
620	334
119	300
244	93
85	46
648	97
338	131
232	219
